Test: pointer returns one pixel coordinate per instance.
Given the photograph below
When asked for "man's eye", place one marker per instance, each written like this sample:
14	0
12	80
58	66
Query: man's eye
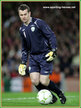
21	15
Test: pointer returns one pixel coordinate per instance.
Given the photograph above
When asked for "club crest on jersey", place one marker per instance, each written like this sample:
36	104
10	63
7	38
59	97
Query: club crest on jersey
32	28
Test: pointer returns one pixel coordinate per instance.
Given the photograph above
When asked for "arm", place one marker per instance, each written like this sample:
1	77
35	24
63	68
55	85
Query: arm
22	66
24	49
49	34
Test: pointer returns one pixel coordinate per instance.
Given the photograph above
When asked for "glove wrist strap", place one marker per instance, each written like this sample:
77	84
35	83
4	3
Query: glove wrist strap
23	62
54	49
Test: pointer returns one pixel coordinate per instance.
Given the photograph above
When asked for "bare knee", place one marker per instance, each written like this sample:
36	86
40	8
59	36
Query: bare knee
34	78
44	80
35	81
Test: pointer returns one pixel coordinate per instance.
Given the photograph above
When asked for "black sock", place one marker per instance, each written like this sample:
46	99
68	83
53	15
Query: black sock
53	87
40	87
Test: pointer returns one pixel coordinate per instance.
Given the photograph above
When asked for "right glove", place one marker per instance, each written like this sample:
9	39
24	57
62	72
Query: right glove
51	55
22	69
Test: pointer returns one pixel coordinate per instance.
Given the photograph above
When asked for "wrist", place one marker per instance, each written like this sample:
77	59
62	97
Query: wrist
55	49
23	62
54	52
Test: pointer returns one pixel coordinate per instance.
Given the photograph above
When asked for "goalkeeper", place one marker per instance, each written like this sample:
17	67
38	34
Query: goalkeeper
39	43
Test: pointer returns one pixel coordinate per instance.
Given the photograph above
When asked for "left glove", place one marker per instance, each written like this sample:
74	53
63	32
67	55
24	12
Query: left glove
22	69
51	55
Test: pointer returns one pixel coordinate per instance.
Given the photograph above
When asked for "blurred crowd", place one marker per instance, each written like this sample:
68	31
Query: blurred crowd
64	23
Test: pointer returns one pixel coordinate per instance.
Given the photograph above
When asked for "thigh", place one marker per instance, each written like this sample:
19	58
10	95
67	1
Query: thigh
35	77
44	79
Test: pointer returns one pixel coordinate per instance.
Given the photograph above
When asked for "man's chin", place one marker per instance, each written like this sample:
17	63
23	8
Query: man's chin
24	21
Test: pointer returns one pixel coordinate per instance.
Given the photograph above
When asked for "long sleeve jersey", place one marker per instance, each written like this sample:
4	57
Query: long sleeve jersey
37	37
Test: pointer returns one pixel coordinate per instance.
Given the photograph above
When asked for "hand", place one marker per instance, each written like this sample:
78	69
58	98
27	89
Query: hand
22	69
51	55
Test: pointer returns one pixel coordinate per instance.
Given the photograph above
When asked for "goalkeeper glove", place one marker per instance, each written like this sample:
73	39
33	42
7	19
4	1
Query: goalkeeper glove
51	55
22	69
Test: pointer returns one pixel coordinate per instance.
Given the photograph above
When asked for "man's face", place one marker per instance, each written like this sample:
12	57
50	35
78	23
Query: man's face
24	15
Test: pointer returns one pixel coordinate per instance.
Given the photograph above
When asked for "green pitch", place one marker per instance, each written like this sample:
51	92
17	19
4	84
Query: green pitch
29	99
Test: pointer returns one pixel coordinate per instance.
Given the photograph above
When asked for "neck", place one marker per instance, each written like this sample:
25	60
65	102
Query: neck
26	23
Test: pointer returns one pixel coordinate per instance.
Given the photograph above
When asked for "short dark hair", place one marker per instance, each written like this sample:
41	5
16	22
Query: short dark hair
23	7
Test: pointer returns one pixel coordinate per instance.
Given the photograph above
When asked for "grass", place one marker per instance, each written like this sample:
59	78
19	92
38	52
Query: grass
29	99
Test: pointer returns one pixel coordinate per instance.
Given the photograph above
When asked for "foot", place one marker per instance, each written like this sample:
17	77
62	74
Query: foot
62	98
54	99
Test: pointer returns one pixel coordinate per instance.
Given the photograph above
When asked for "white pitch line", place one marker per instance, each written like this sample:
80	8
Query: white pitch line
19	98
72	96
